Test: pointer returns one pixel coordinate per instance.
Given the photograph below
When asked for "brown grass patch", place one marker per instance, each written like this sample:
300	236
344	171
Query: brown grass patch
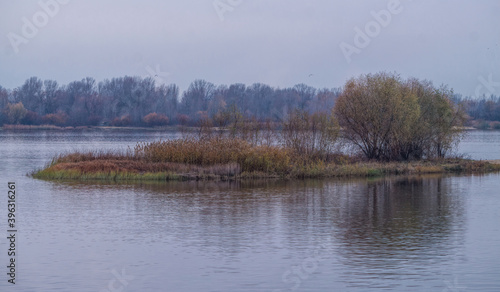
232	158
141	167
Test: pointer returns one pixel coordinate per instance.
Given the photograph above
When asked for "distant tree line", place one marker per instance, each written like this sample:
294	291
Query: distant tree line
381	115
483	112
136	101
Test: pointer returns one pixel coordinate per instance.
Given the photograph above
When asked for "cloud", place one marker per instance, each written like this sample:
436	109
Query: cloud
275	42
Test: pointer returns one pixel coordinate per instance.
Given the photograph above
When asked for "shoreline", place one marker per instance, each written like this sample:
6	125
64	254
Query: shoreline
127	170
132	128
223	158
82	128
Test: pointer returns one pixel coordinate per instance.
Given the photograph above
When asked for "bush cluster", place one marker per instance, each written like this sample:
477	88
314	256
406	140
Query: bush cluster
388	118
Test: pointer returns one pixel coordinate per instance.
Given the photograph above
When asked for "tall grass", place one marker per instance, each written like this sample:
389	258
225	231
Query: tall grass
218	150
93	155
226	158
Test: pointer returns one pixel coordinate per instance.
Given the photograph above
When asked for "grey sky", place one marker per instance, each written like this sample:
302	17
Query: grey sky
279	42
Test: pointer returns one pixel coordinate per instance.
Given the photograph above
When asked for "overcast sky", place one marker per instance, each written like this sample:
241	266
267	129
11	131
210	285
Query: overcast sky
281	43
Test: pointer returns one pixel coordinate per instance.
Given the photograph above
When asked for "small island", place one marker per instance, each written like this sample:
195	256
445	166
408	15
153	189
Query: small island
380	125
226	159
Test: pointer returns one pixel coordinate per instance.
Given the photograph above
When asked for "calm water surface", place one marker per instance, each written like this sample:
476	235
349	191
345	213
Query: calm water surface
422	233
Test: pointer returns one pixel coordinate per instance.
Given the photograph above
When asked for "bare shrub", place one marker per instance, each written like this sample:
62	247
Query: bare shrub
310	135
391	119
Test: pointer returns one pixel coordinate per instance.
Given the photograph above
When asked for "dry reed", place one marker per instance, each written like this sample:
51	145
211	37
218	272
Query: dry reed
225	158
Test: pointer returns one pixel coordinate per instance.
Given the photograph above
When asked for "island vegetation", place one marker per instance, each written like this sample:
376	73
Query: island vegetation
380	124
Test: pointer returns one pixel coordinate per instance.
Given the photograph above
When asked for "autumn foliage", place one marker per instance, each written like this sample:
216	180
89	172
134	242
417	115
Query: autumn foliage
388	118
154	119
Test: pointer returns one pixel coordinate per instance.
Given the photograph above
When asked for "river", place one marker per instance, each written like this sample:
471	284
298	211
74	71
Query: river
416	233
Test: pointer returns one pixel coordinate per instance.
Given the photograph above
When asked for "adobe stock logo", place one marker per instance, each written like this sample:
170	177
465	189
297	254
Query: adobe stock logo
488	84
372	29
223	6
159	76
119	281
30	27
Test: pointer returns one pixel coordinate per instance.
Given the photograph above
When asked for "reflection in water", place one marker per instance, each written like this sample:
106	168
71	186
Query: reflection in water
389	224
372	230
